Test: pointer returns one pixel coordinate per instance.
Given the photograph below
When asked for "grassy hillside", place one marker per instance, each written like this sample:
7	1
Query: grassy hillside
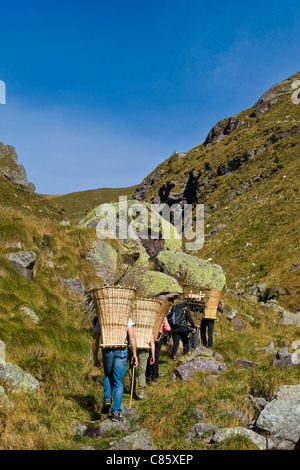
260	242
248	179
57	350
75	205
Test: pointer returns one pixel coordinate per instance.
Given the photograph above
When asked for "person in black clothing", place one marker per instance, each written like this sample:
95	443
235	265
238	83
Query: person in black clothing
178	319
208	323
197	311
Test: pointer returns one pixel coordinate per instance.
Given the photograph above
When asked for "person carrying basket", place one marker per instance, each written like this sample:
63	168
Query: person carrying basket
114	364
179	317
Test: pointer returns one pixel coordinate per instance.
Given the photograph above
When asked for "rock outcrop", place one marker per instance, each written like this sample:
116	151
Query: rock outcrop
222	129
271	97
24	262
16	379
281	417
187	371
10	168
259	441
191	269
74	285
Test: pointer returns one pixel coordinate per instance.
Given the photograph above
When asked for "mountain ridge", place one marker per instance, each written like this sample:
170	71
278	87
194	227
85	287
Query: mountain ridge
246	173
247	169
46	328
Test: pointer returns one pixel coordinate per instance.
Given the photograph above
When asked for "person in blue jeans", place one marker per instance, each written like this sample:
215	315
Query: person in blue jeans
114	364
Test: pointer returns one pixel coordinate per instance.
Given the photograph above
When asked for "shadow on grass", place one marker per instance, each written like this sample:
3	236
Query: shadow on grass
89	404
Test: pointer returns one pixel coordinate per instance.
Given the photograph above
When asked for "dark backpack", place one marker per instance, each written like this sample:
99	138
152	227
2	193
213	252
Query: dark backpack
178	316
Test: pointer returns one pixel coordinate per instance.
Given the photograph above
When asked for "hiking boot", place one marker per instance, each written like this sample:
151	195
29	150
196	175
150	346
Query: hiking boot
141	395
106	404
116	416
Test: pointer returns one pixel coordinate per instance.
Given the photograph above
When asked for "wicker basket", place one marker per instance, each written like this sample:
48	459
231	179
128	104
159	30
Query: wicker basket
165	308
197	296
146	311
212	304
113	306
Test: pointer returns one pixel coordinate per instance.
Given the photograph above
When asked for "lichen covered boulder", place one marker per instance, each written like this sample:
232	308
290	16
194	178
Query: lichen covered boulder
132	220
156	283
190	269
152	283
228	433
133	252
281	417
17	379
104	258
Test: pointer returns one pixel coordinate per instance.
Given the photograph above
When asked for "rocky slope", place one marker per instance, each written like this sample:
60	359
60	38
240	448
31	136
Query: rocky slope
246	173
47	265
10	168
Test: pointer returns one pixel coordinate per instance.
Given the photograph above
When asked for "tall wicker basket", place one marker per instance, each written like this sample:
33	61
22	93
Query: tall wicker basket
113	305
198	296
165	308
212	304
146	311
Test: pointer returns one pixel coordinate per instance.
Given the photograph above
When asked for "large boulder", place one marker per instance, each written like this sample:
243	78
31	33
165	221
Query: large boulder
281	417
153	283
105	259
156	283
133	220
190	269
17	379
10	168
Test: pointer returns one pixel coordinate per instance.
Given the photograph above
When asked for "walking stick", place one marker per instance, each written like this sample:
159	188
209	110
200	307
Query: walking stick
132	385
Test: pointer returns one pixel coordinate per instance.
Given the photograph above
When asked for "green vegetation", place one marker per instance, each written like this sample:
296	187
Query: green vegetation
259	243
57	350
258	202
76	205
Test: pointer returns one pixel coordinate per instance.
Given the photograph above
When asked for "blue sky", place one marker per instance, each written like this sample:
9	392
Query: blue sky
98	93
